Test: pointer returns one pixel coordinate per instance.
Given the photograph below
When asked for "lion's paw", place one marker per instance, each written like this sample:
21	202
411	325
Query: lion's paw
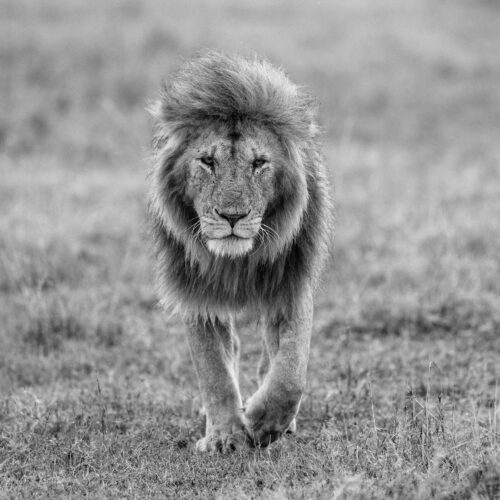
266	419
223	440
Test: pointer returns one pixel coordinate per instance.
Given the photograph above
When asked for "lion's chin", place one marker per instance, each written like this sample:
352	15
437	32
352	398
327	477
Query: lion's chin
231	246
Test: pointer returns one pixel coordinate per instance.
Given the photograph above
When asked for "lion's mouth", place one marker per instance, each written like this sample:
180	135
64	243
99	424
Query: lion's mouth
233	237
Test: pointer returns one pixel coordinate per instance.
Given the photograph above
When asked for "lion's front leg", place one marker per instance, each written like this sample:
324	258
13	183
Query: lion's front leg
272	409
214	350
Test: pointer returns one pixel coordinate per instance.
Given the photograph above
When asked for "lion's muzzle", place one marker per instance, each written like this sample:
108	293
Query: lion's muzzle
230	233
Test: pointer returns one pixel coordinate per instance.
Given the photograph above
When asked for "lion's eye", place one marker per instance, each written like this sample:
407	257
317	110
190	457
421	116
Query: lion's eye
208	161
258	163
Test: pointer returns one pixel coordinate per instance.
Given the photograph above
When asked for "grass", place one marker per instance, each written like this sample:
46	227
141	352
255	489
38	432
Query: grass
97	394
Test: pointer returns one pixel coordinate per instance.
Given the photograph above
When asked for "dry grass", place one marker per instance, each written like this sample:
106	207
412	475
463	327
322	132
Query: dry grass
97	394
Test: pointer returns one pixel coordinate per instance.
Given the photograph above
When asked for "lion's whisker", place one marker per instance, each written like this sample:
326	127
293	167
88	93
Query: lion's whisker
193	227
272	231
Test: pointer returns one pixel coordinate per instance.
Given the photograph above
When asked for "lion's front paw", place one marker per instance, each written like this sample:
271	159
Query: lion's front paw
267	417
224	439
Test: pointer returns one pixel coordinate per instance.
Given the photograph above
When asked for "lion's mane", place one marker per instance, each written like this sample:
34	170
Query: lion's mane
218	87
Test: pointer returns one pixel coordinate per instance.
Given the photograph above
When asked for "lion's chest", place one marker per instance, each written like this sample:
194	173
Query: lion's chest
237	284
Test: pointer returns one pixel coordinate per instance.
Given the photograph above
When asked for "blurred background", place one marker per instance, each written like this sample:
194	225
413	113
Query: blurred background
409	95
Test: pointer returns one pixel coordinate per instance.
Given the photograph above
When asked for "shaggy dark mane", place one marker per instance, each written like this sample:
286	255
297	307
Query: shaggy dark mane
217	86
225	89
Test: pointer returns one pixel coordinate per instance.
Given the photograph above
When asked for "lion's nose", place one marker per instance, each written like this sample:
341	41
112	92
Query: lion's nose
232	218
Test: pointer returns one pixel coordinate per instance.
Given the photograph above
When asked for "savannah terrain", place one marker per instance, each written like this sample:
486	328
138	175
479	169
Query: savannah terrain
98	397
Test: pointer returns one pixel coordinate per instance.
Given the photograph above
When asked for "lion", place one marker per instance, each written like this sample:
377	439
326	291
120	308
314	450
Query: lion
242	221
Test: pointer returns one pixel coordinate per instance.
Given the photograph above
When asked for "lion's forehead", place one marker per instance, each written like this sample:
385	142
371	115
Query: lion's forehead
243	141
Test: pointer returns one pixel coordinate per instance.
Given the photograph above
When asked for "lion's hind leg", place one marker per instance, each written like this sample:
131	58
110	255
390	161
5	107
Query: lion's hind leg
214	349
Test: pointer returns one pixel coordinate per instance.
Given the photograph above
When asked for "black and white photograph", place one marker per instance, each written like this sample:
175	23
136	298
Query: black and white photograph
250	250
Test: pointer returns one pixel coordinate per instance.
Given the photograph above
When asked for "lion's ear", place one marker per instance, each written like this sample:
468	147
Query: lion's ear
167	137
154	108
312	116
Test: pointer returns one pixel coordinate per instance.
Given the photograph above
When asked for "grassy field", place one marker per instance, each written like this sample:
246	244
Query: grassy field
97	394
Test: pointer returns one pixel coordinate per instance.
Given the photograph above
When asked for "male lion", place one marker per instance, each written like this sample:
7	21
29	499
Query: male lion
242	221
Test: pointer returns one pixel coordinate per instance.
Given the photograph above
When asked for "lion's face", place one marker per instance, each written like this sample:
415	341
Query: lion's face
230	183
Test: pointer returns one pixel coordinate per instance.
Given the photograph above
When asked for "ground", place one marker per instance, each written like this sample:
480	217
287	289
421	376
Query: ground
97	394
